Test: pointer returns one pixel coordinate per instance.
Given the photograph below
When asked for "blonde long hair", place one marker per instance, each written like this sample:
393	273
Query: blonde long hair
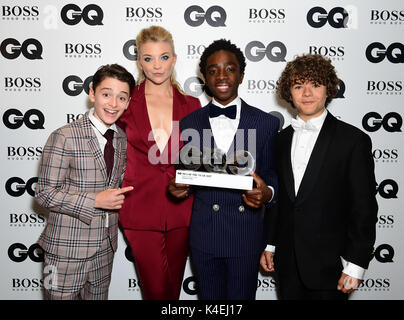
155	34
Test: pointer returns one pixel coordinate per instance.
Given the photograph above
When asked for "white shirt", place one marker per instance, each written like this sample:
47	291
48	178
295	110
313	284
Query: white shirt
303	142
224	128
99	130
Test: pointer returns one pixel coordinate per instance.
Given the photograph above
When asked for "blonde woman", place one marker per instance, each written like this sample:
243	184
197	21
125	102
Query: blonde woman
156	225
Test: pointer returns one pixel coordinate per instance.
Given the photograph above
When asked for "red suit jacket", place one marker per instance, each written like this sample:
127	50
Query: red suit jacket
148	206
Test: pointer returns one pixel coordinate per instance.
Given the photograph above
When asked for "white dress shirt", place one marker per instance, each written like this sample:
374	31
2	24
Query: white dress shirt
224	128
99	130
303	141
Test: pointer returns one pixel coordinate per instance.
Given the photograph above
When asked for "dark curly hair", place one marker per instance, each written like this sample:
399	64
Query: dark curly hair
217	45
310	67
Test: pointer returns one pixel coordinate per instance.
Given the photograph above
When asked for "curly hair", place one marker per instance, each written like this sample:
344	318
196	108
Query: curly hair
310	67
218	45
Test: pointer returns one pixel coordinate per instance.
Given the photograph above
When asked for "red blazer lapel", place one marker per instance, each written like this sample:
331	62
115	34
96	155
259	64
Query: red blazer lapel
140	116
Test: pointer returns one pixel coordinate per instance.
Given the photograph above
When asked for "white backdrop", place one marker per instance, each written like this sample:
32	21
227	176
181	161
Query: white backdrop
49	49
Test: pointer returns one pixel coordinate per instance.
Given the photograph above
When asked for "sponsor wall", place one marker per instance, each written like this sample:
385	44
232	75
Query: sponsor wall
50	49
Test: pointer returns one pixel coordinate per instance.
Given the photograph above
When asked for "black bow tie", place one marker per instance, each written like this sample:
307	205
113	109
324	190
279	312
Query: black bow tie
229	112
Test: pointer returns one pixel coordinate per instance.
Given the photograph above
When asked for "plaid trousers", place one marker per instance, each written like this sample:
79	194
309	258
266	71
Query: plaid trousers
74	279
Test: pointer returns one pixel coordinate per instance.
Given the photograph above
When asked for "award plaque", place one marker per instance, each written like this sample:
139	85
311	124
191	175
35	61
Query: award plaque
213	168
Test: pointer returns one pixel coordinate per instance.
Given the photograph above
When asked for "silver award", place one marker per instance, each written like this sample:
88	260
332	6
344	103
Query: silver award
212	168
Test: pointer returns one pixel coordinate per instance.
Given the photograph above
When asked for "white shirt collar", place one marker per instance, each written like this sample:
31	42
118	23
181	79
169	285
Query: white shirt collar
317	122
101	127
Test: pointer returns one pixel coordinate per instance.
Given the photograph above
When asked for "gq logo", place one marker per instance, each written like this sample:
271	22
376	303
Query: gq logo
256	51
388	189
190	286
384	253
194	86
33	119
16	187
317	17
215	16
31	49
91	14
128	52
391	122
376	52
129	254
18	252
73	85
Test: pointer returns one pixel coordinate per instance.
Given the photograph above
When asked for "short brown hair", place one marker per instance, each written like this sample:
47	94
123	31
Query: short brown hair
309	67
113	71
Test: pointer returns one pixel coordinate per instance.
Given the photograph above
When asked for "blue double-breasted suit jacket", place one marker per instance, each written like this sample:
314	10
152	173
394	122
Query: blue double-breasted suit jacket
222	224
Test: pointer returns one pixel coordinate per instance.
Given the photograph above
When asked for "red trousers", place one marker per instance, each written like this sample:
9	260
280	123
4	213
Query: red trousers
160	259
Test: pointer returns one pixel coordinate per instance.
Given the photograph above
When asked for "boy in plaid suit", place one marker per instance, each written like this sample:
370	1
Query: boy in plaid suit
82	192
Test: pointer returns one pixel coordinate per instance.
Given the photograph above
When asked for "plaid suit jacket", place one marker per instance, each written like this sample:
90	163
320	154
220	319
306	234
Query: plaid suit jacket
72	171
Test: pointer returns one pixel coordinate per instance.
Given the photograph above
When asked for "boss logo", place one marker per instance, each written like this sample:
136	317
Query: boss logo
16	186
385	155
376	52
91	14
256	51
391	122
193	50
133	284
331	51
384	220
264	14
317	17
19	83
385	86
23	218
386	15
24	151
18	252
79	48
26	283
73	85
144	12
388	189
266	283
19	11
73	117
129	50
33	119
31	49
262	85
194	86
379	284
215	16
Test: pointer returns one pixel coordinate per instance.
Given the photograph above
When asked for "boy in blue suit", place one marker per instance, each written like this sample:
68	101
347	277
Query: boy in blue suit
226	232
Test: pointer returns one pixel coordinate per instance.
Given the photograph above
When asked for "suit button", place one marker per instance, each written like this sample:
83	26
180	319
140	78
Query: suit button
215	207
103	216
241	208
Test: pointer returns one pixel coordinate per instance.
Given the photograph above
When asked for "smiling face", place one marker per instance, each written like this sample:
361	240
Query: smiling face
157	60
223	76
308	98
110	98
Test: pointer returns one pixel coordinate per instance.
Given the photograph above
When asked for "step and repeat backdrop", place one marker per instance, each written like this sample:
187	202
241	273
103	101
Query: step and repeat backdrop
50	49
